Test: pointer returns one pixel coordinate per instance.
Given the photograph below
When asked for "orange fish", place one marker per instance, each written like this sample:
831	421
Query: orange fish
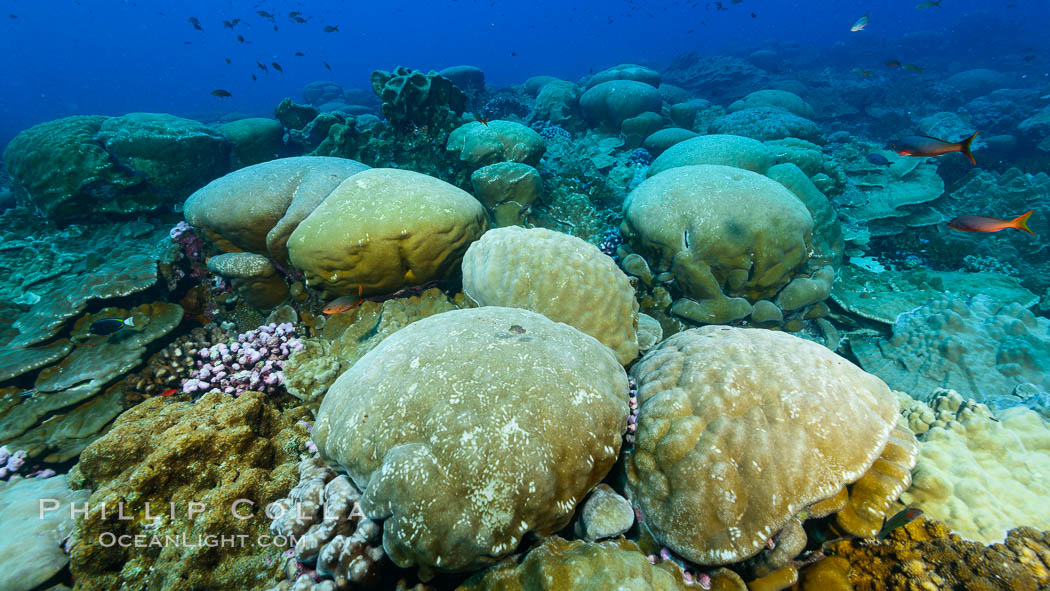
924	145
344	303
483	120
168	392
980	223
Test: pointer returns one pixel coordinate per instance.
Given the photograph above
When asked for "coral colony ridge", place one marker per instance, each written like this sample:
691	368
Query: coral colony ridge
692	295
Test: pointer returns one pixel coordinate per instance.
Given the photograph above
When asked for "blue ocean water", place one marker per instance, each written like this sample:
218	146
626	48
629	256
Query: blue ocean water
72	58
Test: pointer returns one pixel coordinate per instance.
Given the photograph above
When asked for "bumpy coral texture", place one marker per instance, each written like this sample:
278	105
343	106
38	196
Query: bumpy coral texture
727	150
980	475
213	451
925	555
471	428
975	346
560	276
384	229
739	429
719	228
478	144
561	565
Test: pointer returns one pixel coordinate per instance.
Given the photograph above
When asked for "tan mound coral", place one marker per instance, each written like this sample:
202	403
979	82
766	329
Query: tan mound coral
560	276
254	277
469	429
979	474
35	529
478	144
384	229
924	555
777	99
256	208
723	232
561	565
213	451
740	429
726	150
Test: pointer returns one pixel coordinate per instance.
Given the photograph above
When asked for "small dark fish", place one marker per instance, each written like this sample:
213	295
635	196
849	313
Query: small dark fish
299	54
187	42
108	326
876	158
980	223
254	78
12	15
294	14
240	38
861	24
331	29
911	68
1029	57
196	23
513	53
928	4
517	329
753	15
228	61
326	65
924	145
903	518
893	63
221	93
264	14
231	24
299	20
261	66
865	73
275	27
277	66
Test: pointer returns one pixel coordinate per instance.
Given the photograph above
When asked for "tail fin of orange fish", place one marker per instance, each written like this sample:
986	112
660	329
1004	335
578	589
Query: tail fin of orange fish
964	147
1021	222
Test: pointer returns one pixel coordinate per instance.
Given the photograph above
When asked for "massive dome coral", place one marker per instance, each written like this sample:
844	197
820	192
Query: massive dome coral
469	429
560	276
729	236
740	429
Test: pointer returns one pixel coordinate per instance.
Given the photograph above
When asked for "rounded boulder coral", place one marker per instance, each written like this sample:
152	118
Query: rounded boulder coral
468	429
740	429
384	229
560	276
723	232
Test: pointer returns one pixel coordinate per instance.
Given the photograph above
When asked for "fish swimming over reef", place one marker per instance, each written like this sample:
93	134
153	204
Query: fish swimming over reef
326	65
924	145
108	326
196	23
980	223
277	66
343	303
331	29
261	66
900	519
861	23
876	158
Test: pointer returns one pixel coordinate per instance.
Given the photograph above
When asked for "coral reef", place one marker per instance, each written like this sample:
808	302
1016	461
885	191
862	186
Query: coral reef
385	229
215	452
81	167
740	435
560	276
251	364
925	555
334	541
726	150
419	438
980	474
477	144
255	209
37	519
174	364
977	346
410	97
558	564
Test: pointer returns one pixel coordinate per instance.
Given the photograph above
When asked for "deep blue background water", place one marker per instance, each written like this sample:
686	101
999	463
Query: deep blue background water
110	57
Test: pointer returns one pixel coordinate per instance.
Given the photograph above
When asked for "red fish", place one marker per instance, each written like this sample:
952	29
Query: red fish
483	120
980	223
168	392
924	145
344	303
